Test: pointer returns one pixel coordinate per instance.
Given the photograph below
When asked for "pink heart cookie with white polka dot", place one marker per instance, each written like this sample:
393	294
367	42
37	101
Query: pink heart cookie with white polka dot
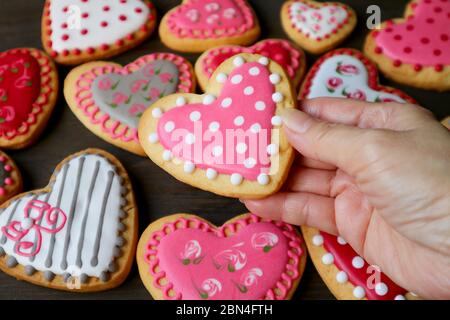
76	31
228	140
198	25
415	50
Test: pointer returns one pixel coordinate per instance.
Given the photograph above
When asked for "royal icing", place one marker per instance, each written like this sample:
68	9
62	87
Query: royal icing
115	97
346	73
229	133
422	40
85	24
195	261
317	22
354	269
6	179
74	228
211	19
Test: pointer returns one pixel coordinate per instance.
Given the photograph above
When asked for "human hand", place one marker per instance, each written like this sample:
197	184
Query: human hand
378	175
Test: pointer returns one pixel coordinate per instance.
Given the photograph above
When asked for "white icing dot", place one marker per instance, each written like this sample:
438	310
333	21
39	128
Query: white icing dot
169	126
399	297
167	155
263	179
357	262
254	71
381	289
153	138
26	223
248	91
264	61
195	116
327	258
236	179
341	241
226	102
238	61
255	128
211	174
221	77
157	113
341	277
190	138
189	167
236	79
217	151
275	78
249	163
260	105
277	97
359	292
208	99
317	240
239	120
241	148
273	149
214	126
276	121
181	101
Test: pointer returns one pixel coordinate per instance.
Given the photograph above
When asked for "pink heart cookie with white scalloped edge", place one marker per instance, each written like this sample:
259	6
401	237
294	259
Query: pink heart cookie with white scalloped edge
347	73
184	257
109	99
415	50
76	31
317	27
228	140
198	25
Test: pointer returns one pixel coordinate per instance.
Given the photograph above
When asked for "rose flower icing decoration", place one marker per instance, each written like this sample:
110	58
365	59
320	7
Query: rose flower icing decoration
198	25
415	50
228	140
185	257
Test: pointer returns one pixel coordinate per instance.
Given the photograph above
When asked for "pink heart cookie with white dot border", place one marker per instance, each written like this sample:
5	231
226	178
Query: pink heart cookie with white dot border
198	25
184	257
317	26
228	140
76	31
415	50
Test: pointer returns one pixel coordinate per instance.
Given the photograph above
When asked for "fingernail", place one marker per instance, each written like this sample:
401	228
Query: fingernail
296	120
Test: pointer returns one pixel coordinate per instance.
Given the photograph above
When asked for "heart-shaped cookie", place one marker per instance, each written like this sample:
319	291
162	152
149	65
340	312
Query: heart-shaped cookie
346	274
28	91
76	31
198	25
227	141
10	178
415	50
109	99
185	257
347	73
291	58
317	27
78	233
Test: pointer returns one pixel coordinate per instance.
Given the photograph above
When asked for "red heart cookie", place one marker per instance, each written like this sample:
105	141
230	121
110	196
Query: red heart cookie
28	90
198	25
347	73
109	99
228	140
10	178
185	257
291	58
415	50
76	31
317	27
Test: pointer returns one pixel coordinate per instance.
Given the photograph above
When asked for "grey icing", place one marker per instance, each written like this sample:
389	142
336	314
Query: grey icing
29	270
48	275
120	241
117	252
105	276
3	238
11	262
112	267
121	227
84	278
2	252
66	276
123	111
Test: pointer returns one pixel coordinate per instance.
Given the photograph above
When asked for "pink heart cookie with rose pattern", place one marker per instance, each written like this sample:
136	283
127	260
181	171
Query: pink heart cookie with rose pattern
197	25
185	257
226	141
415	50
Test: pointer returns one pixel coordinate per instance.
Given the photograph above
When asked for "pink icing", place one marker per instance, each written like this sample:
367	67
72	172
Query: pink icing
211	19
423	39
201	262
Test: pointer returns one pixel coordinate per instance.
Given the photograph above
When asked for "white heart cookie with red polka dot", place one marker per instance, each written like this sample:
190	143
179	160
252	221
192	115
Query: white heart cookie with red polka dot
228	140
75	31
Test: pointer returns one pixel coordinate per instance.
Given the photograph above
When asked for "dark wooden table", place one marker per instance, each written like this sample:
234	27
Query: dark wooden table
157	192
